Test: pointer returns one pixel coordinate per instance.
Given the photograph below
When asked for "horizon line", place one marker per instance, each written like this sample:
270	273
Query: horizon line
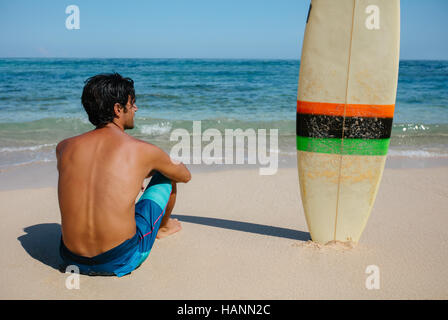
197	58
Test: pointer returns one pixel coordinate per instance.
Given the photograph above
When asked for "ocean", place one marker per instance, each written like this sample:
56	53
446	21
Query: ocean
40	102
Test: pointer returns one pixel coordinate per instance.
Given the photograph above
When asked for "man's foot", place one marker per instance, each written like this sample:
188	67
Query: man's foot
172	226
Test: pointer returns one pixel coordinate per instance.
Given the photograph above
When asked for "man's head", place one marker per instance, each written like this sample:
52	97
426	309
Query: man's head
109	97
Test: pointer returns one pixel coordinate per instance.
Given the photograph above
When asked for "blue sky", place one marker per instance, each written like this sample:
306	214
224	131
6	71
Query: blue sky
192	29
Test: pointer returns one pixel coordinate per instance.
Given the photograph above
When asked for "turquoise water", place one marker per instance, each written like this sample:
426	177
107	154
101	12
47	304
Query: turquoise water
40	102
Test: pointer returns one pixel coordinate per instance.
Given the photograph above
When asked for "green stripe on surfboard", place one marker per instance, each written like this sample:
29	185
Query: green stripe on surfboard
363	147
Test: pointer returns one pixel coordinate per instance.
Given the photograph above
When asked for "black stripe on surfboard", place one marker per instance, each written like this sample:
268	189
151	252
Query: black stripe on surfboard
323	126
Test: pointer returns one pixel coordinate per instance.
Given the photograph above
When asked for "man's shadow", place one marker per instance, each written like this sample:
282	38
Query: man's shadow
41	241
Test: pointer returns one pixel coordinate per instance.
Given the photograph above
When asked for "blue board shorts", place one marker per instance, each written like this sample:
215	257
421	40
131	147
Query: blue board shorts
129	255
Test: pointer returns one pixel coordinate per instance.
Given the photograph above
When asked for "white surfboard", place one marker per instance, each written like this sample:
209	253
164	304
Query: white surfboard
345	106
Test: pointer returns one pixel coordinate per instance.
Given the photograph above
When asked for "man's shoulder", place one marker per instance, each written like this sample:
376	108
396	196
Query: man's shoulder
67	141
147	150
63	144
144	146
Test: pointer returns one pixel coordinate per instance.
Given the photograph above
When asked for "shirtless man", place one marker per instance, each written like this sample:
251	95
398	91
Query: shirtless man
101	172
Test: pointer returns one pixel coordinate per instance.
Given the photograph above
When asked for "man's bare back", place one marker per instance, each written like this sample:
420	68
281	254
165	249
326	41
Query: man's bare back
101	173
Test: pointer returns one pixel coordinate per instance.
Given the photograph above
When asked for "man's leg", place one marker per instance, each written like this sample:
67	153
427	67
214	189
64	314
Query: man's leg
169	226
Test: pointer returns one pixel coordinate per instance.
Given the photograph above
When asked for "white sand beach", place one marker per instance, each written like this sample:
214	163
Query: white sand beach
244	236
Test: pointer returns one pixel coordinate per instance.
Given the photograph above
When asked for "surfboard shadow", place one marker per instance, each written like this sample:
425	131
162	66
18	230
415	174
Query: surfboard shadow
246	227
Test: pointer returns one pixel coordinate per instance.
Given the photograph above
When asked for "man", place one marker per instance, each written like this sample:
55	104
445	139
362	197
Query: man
101	172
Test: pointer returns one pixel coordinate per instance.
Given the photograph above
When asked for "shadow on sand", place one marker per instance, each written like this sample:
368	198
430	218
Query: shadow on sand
246	227
41	241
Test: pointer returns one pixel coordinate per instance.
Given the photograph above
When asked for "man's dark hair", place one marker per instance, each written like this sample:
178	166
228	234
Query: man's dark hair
102	92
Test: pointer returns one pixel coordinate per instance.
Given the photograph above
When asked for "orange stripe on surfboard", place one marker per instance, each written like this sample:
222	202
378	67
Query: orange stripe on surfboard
352	110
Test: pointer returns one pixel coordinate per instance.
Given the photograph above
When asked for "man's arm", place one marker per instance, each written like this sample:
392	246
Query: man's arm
160	161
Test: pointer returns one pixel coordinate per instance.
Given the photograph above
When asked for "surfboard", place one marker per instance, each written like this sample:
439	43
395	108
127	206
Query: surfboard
345	107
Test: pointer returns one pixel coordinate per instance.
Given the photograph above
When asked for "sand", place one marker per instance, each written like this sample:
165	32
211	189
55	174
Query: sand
244	236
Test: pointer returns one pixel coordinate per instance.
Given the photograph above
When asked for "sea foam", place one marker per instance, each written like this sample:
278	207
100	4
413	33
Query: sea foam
26	148
155	129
